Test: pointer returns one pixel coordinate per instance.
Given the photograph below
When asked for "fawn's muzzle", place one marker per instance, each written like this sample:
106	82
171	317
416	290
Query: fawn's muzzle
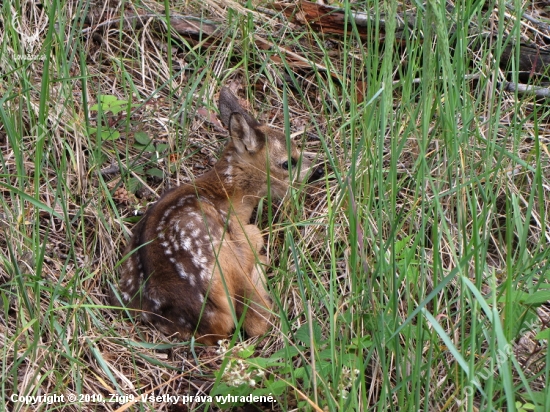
316	174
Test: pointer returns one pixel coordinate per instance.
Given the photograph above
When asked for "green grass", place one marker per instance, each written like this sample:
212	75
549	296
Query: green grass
415	276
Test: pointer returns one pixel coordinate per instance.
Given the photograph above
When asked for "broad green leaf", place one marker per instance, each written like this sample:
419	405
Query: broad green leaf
303	335
543	334
155	172
142	138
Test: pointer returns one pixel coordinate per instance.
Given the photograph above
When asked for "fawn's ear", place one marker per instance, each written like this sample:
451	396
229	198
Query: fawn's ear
229	104
246	138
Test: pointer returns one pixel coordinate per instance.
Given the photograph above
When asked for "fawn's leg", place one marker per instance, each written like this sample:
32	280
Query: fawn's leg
258	312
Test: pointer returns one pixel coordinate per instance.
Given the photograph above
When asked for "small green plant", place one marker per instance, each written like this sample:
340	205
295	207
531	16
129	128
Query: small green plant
154	152
524	407
109	104
524	310
244	377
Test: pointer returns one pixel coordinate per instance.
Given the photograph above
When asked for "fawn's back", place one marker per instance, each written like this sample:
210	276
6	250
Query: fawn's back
194	263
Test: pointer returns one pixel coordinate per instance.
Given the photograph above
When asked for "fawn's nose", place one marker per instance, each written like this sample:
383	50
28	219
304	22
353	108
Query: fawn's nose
316	174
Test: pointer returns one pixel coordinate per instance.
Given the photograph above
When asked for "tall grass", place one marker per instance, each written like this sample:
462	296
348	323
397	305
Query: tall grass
414	276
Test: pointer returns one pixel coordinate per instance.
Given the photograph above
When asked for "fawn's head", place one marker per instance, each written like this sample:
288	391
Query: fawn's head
266	153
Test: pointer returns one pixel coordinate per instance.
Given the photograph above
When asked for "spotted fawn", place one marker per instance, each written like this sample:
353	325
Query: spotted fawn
194	265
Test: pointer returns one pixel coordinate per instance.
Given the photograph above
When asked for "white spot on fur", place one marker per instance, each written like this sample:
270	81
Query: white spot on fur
185	199
205	275
199	261
181	271
168	212
206	200
174	243
229	174
125	296
130	265
186	244
156	304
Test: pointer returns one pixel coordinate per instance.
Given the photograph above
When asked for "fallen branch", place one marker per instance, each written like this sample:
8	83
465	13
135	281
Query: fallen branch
209	32
525	89
331	20
184	25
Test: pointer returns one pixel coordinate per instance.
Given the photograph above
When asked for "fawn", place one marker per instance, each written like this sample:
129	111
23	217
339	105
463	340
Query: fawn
194	263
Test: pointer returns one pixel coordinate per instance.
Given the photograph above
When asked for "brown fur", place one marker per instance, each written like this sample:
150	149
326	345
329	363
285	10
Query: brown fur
195	264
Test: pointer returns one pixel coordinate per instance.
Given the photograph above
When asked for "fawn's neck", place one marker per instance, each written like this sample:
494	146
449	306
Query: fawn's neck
233	187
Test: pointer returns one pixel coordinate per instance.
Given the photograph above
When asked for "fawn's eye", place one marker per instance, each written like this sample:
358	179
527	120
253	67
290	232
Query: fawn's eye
293	162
